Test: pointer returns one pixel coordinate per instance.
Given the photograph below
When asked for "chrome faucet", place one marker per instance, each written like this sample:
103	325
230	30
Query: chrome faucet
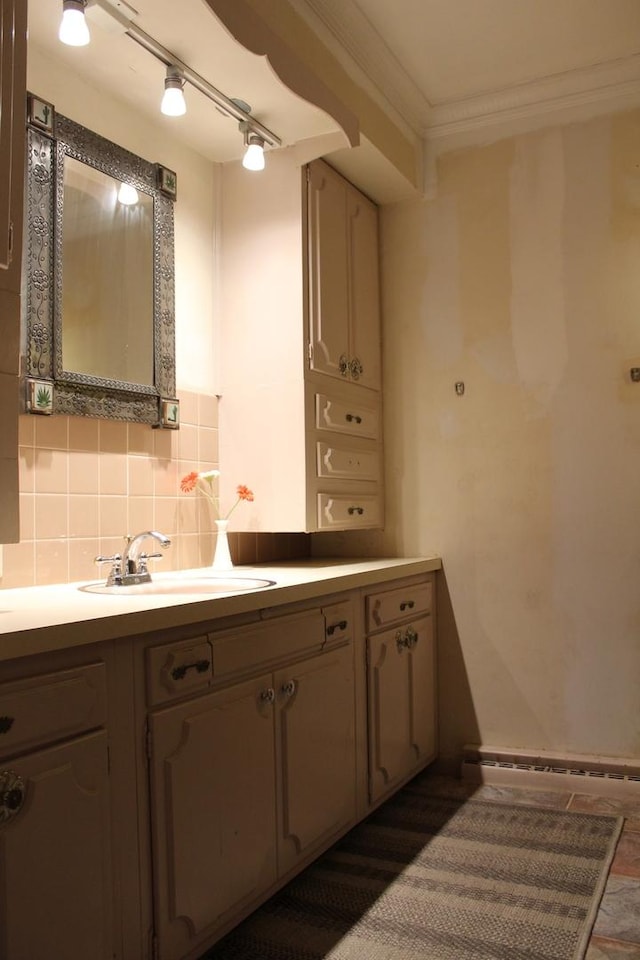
131	566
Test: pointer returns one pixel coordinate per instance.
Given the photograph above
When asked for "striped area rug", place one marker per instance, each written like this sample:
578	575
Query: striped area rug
433	878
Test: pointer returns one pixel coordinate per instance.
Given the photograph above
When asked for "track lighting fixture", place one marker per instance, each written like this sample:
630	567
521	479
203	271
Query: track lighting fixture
173	102
73	26
254	154
117	16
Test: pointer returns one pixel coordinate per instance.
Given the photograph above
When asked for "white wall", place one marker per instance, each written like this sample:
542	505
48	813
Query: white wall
522	279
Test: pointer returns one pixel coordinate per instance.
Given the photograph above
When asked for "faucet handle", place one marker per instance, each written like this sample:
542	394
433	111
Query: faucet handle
142	560
116	571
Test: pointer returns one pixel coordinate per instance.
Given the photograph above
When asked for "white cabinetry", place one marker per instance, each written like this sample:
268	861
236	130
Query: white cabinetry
250	780
300	413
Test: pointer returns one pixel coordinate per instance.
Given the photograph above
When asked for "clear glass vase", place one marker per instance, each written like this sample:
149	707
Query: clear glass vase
222	556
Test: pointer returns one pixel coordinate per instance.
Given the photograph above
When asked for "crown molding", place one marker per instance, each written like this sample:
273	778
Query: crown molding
604	87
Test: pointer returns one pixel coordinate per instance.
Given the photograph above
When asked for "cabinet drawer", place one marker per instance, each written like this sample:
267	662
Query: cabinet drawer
340	461
251	648
338	618
404	603
174	669
341	416
51	707
346	511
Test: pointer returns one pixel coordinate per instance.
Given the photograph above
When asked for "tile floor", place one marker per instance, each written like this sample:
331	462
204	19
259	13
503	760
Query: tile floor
616	933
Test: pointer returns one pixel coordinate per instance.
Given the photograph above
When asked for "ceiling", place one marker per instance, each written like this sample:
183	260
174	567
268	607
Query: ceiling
440	66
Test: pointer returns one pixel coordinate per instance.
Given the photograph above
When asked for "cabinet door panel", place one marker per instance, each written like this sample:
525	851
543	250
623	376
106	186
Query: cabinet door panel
389	713
422	695
55	886
213	800
328	272
316	740
364	291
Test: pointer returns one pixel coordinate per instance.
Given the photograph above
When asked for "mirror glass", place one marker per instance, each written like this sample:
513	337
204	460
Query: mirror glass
99	268
107	275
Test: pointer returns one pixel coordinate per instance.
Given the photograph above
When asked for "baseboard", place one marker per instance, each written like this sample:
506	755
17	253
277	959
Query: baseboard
605	776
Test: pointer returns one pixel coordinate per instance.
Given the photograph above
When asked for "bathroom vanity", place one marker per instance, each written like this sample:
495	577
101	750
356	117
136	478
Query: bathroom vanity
168	761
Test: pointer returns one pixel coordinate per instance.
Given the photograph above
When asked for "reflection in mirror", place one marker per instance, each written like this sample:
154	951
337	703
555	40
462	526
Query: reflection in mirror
107	274
99	268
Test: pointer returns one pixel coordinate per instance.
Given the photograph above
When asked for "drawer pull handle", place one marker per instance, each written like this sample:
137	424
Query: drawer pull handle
289	688
268	695
341	625
6	723
12	794
353	418
200	666
358	510
407	605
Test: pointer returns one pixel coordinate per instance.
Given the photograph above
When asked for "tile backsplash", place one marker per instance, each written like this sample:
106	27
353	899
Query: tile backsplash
85	484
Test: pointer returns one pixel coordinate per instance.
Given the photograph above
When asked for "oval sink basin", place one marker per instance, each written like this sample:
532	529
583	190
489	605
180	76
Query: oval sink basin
174	586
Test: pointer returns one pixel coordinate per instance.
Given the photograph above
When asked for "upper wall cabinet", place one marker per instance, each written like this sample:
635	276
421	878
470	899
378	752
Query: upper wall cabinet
300	413
344	311
13	53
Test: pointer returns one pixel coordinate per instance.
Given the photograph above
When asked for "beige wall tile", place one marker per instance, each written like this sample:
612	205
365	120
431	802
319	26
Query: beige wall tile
26	430
165	444
188	408
165	515
188	442
51	432
82	565
19	566
140	470
165	478
84	433
27	516
52	561
113	474
113	436
84	516
140	514
84	472
113	518
51	516
140	439
207	410
51	471
187	516
207	446
27	467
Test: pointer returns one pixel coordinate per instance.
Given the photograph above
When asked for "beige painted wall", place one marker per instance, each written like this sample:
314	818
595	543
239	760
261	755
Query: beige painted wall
522	279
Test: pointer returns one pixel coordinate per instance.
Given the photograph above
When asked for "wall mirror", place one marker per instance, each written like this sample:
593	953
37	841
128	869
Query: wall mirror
99	269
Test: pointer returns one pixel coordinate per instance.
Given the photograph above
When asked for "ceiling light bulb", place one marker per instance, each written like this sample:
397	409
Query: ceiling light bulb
173	102
73	26
254	155
127	194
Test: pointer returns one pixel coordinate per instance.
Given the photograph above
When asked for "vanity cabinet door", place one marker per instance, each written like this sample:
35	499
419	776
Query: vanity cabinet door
55	887
316	746
213	796
344	310
401	688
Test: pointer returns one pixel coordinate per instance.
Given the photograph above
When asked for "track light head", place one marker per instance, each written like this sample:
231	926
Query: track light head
173	102
73	27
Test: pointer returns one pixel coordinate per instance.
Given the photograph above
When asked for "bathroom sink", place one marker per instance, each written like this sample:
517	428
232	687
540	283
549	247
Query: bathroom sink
176	586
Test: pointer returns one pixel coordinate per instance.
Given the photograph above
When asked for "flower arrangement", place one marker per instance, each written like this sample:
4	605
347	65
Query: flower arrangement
204	481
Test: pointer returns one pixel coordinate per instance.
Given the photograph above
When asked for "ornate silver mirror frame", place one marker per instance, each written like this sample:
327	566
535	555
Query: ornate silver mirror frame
50	388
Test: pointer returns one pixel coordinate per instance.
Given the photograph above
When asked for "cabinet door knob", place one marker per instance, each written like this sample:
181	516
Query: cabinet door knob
12	794
6	723
343	365
289	688
401	641
268	695
356	369
410	638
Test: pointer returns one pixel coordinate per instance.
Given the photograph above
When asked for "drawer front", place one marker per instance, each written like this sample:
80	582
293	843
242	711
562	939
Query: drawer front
52	707
343	462
391	606
341	416
175	669
252	648
348	511
338	619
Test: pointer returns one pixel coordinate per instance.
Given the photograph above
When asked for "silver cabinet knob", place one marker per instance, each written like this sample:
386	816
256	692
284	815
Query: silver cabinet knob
343	366
12	794
268	695
289	688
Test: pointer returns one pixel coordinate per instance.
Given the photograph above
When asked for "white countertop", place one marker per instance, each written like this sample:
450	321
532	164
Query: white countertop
38	619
